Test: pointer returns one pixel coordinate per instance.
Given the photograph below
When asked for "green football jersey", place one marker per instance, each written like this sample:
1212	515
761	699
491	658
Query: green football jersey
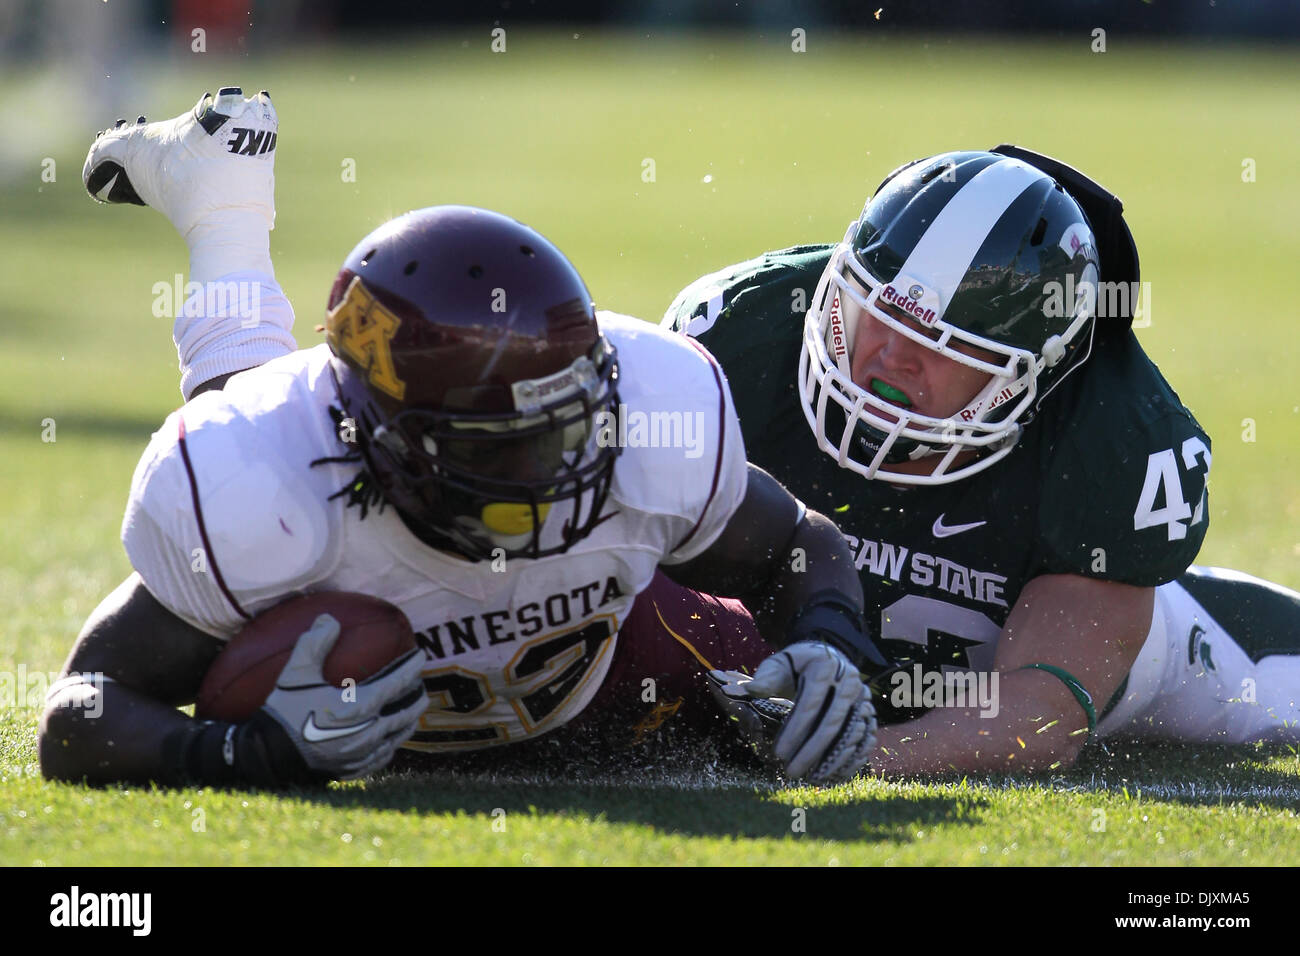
1108	482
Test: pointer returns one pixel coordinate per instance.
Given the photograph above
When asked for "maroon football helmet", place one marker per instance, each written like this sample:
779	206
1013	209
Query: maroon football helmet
467	354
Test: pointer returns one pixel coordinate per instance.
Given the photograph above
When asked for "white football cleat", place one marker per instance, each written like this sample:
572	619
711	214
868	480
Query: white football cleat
218	156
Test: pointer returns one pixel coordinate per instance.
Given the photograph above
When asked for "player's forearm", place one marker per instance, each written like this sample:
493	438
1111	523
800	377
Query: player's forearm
816	560
102	731
116	734
1027	730
776	562
776	557
114	716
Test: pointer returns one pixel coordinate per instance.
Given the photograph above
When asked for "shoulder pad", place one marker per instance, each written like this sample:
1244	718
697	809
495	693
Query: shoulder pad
697	307
224	510
1124	495
683	457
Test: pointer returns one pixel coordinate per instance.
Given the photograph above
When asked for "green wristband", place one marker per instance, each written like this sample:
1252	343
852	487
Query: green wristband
1076	688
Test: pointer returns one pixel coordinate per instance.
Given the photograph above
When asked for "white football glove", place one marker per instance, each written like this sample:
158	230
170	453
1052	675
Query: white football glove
218	156
346	738
826	720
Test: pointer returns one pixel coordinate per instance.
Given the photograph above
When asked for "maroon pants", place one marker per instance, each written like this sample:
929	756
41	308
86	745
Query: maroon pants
672	636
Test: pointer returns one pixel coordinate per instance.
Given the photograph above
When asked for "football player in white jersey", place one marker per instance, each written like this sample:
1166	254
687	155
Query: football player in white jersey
473	444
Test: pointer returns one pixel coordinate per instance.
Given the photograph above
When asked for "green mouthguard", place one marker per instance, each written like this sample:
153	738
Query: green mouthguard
889	393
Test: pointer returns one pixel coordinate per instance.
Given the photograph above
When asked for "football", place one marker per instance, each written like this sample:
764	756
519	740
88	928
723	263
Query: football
372	633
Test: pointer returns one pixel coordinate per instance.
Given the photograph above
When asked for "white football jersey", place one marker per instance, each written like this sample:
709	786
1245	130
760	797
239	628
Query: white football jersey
228	516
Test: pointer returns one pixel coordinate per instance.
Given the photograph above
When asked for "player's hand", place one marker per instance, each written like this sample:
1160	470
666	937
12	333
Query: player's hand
218	156
757	720
827	722
339	733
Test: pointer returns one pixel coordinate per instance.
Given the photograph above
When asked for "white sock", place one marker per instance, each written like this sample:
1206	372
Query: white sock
237	320
230	240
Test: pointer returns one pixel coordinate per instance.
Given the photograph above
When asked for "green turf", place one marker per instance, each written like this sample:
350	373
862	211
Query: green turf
555	131
1213	807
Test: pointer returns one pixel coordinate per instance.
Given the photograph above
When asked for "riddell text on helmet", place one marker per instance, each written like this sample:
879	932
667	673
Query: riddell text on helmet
838	338
905	302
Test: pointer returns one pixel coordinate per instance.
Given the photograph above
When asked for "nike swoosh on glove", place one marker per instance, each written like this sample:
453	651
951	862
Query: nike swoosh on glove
829	731
338	736
218	156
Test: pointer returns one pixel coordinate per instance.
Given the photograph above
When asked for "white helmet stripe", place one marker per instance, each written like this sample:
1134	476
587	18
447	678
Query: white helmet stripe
943	254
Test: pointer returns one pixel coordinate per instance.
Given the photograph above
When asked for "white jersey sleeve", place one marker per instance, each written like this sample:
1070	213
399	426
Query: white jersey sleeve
683	457
223	518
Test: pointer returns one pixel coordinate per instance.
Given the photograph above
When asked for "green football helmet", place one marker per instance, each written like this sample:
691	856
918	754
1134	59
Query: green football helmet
979	249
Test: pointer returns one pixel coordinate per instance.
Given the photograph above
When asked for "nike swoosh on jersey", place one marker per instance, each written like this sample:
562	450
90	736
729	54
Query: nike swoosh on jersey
314	733
941	530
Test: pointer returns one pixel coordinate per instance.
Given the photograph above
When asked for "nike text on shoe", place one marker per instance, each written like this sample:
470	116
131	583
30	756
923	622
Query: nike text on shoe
218	156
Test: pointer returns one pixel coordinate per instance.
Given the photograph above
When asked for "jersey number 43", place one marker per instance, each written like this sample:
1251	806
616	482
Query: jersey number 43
1164	482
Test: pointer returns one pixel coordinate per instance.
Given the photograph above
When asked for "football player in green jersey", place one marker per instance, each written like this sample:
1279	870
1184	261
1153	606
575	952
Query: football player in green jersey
957	384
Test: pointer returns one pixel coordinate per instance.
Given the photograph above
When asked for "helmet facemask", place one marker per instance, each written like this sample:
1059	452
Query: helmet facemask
862	430
487	478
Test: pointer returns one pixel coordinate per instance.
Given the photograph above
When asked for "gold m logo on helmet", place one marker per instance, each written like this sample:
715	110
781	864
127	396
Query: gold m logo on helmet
361	329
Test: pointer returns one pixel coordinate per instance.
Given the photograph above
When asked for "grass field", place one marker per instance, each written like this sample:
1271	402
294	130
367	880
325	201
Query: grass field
754	147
